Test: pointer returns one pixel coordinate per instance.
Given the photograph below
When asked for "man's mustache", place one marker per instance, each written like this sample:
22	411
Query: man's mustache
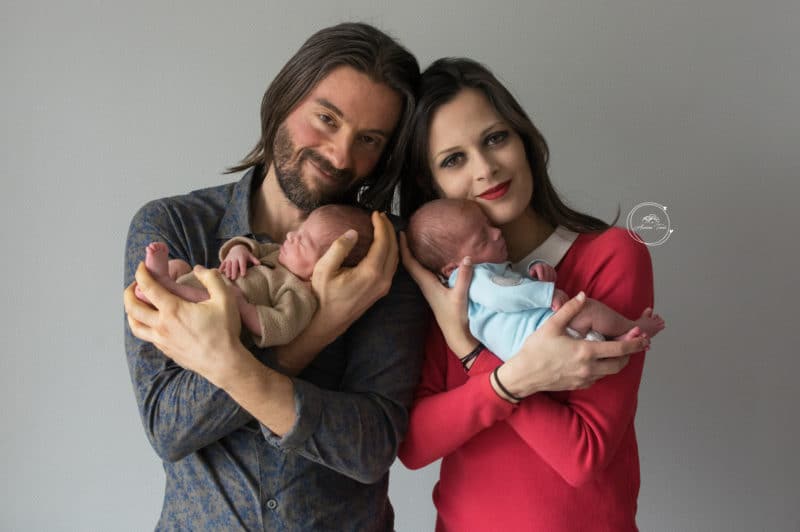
344	174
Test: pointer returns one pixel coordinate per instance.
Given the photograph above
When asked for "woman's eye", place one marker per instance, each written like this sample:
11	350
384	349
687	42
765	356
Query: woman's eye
451	160
496	138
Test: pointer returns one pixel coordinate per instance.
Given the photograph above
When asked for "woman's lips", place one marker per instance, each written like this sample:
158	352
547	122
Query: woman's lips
496	192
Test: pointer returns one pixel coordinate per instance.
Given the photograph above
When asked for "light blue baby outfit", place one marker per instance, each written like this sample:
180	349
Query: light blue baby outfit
505	307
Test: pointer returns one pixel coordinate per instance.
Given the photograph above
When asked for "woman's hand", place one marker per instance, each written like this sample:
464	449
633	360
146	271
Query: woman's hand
551	361
202	337
449	305
344	293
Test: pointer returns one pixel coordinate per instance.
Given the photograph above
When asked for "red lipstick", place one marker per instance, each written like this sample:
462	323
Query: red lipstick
496	192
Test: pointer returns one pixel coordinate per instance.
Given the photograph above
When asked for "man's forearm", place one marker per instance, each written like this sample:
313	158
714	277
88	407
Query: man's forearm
263	392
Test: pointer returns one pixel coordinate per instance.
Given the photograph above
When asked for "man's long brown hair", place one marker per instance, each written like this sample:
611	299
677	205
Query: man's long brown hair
369	51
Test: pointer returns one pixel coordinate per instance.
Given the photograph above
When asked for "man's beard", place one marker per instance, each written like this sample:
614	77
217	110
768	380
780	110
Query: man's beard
290	176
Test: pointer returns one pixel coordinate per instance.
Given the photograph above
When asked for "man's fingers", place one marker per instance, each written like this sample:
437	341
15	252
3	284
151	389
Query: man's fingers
393	252
332	260
212	281
159	297
568	310
137	309
380	251
140	330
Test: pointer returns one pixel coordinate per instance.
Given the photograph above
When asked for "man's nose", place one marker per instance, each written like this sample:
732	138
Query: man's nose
340	151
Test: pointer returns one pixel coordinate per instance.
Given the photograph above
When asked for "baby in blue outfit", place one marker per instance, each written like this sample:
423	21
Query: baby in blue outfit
504	306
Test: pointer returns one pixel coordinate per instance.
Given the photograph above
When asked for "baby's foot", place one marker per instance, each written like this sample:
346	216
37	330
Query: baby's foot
156	259
650	323
633	334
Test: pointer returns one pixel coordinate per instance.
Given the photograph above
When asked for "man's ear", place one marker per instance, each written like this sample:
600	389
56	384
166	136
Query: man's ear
448	268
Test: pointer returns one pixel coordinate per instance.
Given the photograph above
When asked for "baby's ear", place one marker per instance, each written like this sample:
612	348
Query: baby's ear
448	268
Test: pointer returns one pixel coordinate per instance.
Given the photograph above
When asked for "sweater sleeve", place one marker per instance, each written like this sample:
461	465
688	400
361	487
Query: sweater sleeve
442	419
578	432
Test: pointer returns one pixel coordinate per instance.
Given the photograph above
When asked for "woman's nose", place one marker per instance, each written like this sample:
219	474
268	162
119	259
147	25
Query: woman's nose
484	167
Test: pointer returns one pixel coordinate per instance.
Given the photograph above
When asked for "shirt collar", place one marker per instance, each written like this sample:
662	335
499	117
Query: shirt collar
552	250
236	220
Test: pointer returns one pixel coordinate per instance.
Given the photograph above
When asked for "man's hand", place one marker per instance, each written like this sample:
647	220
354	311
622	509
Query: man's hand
236	262
344	293
202	337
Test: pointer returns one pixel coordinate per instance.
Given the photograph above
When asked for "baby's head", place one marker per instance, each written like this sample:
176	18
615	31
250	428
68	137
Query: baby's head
302	248
444	231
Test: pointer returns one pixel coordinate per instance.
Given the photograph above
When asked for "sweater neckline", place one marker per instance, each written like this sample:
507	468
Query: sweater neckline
551	251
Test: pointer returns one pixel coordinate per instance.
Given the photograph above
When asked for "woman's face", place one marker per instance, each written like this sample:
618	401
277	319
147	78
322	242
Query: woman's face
475	154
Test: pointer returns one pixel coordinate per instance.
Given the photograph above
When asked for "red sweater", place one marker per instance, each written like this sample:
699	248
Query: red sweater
557	461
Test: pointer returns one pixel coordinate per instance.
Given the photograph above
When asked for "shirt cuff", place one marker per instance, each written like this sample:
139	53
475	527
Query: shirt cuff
308	410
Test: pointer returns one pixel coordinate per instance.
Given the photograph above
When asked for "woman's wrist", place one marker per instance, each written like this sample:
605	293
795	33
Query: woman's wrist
461	342
504	386
468	359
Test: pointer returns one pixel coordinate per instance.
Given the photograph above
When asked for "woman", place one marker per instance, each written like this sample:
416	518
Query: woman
517	454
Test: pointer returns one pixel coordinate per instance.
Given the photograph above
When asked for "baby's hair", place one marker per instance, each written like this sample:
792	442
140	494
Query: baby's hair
339	218
431	236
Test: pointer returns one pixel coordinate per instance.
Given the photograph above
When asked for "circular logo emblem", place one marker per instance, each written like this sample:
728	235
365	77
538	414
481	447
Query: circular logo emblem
649	223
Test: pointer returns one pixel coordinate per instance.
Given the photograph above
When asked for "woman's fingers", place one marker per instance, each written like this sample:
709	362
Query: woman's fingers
426	280
463	280
560	320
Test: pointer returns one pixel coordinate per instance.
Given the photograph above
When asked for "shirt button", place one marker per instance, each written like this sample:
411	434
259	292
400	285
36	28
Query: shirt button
272	504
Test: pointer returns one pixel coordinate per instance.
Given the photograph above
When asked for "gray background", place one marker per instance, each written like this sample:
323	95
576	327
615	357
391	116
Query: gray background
691	104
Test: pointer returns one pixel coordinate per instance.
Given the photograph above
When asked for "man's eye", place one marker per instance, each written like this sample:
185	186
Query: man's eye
369	140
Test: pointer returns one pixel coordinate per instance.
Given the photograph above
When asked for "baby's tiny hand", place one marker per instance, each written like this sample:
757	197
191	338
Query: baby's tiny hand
542	272
559	298
237	261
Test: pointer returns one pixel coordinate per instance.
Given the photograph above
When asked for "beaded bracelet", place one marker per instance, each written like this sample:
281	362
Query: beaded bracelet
466	359
503	388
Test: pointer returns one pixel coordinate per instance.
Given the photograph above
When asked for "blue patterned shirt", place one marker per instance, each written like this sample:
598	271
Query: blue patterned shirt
225	471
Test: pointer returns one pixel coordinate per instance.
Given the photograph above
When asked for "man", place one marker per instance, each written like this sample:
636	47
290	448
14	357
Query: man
245	446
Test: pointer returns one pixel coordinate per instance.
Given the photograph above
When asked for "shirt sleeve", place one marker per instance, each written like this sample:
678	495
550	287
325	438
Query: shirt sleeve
579	432
357	428
180	410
